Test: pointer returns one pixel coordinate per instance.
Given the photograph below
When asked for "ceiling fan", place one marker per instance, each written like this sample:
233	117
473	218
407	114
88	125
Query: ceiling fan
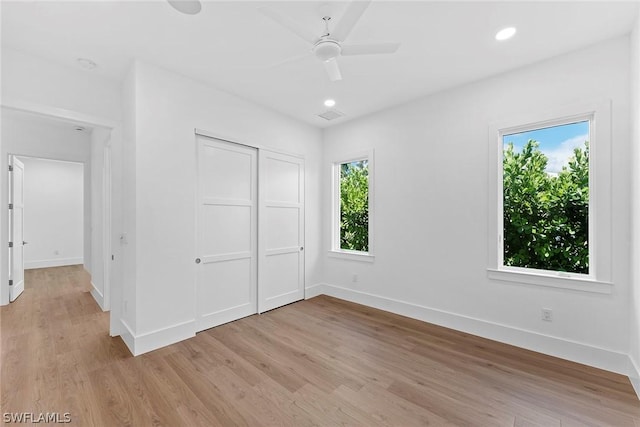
188	7
330	45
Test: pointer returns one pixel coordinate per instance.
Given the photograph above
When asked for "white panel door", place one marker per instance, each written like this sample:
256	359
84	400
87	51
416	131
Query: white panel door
226	232
16	223
281	246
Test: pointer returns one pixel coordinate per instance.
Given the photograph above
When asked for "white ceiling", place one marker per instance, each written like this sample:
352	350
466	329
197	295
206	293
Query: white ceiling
232	46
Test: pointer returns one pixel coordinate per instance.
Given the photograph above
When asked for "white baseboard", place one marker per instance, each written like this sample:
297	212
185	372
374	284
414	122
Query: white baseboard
153	340
149	341
569	350
98	296
116	328
314	290
634	376
128	337
56	262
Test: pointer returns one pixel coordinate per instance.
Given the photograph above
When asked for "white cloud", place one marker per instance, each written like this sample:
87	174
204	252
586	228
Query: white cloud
560	156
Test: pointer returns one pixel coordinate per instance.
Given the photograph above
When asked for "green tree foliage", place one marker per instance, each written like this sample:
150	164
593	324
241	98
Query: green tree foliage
546	217
354	206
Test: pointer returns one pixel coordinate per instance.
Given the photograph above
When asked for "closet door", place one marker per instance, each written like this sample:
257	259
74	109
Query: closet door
281	244
226	232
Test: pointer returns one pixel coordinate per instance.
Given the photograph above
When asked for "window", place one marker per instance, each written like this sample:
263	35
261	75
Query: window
545	198
352	201
550	220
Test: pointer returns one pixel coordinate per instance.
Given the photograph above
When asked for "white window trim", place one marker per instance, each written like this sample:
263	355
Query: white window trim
599	278
535	126
335	251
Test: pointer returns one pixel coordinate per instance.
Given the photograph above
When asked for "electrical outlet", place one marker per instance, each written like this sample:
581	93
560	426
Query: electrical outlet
354	278
547	315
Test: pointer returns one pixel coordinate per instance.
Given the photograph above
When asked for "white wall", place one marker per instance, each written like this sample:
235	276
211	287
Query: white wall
635	208
431	185
167	108
53	213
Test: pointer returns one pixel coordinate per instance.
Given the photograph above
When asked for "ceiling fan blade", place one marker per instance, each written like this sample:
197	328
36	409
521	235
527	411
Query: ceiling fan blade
291	25
349	19
369	48
331	66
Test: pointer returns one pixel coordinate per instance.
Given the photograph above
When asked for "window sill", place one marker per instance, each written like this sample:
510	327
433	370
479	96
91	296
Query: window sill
572	283
352	255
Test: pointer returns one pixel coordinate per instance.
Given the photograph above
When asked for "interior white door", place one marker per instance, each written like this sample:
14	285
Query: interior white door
16	224
226	232
281	245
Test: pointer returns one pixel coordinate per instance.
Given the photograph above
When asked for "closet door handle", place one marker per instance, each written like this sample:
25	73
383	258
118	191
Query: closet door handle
301	248
197	260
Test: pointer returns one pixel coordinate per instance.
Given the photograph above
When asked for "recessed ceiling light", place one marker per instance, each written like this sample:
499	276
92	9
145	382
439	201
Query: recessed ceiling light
329	103
505	33
87	64
189	7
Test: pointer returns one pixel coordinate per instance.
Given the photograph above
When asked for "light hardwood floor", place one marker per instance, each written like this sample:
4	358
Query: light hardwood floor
318	362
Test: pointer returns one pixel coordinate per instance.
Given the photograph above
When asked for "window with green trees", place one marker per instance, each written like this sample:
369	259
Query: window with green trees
545	183
354	206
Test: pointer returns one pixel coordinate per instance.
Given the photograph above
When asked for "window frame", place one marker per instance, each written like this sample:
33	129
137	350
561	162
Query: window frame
598	113
532	127
336	251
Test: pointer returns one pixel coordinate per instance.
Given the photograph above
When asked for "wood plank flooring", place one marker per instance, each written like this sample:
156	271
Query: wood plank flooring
321	362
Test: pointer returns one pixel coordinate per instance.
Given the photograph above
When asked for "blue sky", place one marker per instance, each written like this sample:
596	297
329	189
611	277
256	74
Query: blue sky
556	142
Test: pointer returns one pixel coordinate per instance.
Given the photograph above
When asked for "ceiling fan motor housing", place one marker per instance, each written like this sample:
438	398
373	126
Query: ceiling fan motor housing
326	49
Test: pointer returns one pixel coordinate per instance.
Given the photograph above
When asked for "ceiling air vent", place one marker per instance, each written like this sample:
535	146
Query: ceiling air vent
331	114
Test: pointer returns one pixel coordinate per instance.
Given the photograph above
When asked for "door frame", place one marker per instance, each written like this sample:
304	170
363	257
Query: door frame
113	291
54	159
106	223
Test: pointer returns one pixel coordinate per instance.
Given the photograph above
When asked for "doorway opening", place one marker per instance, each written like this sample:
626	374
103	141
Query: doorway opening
65	201
47	216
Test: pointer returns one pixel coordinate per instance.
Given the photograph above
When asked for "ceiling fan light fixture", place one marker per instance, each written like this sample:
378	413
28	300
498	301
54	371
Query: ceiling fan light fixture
328	47
326	50
188	7
505	33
